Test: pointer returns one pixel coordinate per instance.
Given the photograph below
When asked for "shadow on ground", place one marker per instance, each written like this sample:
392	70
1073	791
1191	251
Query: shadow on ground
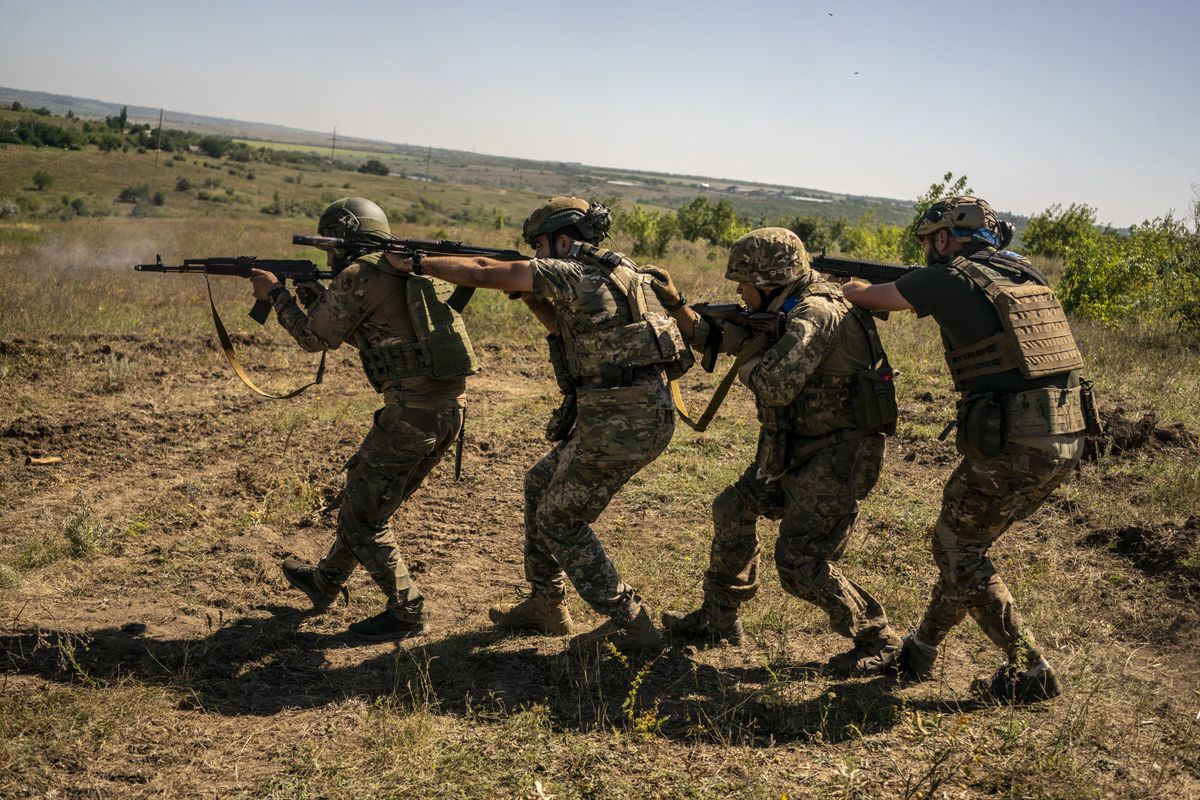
262	665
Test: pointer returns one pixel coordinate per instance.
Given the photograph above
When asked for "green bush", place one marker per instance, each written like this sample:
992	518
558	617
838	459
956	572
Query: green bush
651	230
1055	232
132	194
42	180
182	184
373	166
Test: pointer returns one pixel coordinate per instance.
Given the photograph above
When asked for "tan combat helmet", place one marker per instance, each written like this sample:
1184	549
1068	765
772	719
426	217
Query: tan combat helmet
767	258
968	219
592	219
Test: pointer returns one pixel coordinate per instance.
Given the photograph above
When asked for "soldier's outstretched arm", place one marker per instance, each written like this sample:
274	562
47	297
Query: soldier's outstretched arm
477	271
875	296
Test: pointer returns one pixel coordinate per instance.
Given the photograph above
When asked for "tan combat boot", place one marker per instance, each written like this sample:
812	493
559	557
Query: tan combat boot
540	613
637	635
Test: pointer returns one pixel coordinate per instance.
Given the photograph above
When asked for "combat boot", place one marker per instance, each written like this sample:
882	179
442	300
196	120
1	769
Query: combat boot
389	625
1013	686
912	662
870	657
303	576
636	635
542	613
697	626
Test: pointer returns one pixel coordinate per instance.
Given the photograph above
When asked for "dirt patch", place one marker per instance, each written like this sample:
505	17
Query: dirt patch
1161	550
1128	435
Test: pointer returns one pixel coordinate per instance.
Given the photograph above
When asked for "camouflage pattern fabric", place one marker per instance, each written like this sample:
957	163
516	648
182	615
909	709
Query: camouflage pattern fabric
618	432
982	499
817	505
401	448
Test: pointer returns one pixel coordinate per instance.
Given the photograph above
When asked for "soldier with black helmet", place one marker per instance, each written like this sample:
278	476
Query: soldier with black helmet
416	352
614	349
825	401
1021	420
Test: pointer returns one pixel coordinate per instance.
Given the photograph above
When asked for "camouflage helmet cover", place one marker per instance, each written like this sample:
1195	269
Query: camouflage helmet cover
767	258
967	219
350	215
592	219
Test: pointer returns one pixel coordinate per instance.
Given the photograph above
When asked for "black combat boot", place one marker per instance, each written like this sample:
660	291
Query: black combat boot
303	576
912	662
1013	686
389	625
871	656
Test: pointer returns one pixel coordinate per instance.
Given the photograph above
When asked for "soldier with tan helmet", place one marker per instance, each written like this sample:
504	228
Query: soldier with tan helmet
825	400
415	351
1020	425
614	349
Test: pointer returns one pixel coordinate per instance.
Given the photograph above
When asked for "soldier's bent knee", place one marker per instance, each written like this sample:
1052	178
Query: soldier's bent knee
727	508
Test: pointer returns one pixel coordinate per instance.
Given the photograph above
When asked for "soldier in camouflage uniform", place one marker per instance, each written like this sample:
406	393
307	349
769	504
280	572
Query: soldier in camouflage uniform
1020	426
825	399
416	352
613	348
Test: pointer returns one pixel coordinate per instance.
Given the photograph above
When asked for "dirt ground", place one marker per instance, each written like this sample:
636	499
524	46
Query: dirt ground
149	645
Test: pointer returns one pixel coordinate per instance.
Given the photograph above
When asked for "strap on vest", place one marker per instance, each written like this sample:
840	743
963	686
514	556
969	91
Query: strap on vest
227	346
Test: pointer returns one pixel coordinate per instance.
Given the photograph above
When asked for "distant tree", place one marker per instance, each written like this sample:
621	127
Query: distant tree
159	198
16	105
374	166
949	186
1054	233
213	146
717	222
42	180
651	230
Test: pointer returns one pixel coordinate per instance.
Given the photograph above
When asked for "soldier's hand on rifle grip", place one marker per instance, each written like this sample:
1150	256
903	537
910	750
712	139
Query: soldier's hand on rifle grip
309	292
264	283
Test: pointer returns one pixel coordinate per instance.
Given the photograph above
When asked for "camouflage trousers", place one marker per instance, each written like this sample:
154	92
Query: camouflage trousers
982	499
618	432
817	504
401	448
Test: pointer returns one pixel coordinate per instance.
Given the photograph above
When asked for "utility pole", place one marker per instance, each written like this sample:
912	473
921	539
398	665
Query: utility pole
158	144
333	146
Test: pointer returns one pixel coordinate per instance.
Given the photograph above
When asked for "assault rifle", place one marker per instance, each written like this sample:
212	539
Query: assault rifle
772	322
295	270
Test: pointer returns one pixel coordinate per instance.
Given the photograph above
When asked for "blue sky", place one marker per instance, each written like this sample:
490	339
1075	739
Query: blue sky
1038	103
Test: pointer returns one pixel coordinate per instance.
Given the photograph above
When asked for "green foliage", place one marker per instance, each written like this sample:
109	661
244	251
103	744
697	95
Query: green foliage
1153	273
43	180
948	186
1055	232
182	184
872	239
132	194
716	222
651	230
214	146
373	166
818	233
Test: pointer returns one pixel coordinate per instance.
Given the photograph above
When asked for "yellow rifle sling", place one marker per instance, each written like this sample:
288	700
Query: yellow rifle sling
227	346
752	348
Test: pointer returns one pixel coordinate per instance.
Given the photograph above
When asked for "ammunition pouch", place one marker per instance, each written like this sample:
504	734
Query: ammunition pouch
443	354
774	440
980	427
874	400
654	340
987	421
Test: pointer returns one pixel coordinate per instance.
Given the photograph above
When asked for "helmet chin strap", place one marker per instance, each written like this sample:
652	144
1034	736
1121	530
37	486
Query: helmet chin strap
552	239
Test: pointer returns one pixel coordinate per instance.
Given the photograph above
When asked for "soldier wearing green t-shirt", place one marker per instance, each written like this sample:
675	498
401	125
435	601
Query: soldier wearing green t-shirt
1020	426
613	348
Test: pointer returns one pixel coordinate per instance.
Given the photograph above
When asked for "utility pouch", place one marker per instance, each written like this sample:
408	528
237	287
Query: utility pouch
874	400
773	442
562	419
1093	424
980	427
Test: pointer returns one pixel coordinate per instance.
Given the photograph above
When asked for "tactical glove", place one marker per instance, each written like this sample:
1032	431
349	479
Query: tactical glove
664	287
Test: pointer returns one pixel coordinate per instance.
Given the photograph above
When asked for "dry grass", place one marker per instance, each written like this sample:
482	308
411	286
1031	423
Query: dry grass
150	646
